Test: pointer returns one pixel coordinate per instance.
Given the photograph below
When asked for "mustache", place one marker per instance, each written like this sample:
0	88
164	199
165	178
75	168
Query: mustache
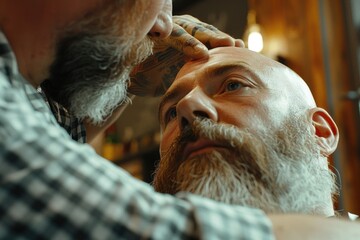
248	149
206	129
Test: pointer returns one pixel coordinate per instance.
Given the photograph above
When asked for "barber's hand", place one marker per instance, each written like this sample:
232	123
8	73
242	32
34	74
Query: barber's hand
190	39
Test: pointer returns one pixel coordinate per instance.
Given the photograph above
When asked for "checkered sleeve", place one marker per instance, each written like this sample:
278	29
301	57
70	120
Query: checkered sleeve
52	187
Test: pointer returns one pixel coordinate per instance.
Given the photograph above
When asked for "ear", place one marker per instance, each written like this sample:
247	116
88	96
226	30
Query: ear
326	131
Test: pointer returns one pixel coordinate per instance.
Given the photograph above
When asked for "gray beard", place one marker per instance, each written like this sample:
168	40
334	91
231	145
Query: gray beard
94	59
281	172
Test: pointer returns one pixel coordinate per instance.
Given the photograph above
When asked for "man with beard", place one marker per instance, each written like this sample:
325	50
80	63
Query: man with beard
55	188
243	129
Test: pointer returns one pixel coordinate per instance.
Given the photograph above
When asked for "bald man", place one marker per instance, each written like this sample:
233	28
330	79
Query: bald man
243	129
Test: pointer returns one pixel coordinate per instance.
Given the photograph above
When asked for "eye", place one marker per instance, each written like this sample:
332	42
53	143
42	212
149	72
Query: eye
233	85
170	114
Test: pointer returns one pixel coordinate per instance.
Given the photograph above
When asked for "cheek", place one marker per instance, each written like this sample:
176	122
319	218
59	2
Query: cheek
252	114
168	136
275	111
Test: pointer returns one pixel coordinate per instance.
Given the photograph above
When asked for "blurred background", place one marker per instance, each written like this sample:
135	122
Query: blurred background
318	39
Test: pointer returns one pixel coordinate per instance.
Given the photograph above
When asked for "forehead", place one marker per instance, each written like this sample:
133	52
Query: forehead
265	71
229	59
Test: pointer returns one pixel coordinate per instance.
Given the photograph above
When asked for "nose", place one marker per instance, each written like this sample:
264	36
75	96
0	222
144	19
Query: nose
163	24
194	105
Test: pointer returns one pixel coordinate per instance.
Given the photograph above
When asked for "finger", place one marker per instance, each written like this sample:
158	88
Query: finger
218	38
239	43
211	36
207	34
186	43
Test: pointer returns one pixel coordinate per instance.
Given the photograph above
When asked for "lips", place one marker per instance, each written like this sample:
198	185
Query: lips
200	146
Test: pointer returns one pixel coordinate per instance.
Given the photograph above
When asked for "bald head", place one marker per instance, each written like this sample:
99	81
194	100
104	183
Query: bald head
272	74
241	128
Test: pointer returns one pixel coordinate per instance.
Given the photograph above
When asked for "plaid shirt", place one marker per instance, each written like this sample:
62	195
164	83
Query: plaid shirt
52	187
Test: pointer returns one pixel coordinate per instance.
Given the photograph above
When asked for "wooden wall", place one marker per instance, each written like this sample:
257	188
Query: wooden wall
310	36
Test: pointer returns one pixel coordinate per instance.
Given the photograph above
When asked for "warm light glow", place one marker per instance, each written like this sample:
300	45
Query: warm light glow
255	41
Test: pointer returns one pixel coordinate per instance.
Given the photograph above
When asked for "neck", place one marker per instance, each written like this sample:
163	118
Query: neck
27	30
32	56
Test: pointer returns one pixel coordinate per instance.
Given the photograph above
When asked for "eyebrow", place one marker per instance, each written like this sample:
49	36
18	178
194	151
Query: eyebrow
223	69
213	72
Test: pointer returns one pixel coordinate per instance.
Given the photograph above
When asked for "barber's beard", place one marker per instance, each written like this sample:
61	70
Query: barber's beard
94	59
277	172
